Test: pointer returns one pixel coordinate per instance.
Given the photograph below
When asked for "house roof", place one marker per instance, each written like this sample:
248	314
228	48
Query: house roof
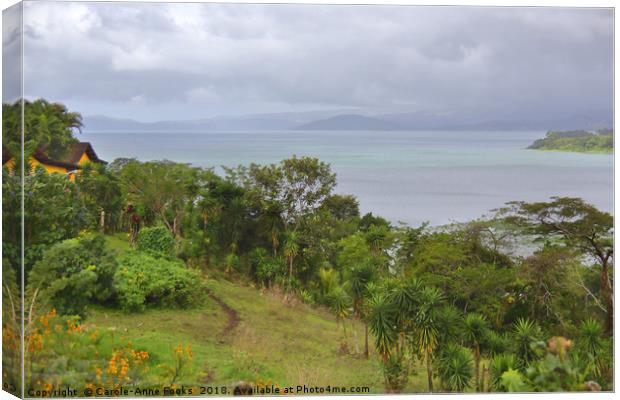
44	159
69	162
80	148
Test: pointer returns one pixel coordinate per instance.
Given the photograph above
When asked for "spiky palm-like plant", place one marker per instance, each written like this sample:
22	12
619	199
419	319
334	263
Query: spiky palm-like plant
455	368
359	278
525	334
405	295
426	328
291	250
328	280
475	331
500	364
497	343
381	321
591	347
450	324
340	305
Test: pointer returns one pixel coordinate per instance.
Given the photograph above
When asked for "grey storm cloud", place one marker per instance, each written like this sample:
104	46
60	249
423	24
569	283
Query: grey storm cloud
154	61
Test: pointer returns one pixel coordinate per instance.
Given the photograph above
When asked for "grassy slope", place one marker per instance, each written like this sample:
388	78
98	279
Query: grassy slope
287	344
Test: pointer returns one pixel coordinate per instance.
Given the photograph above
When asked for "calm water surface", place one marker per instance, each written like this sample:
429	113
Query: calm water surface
412	177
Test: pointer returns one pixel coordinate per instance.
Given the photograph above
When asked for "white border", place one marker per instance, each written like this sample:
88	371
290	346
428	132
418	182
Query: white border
502	3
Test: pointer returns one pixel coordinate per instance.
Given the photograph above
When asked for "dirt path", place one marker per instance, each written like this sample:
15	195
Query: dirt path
233	316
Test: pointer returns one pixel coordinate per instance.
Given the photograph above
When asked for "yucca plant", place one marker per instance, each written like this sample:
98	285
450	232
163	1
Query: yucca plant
405	296
475	331
500	364
450	324
328	280
359	278
291	250
426	329
455	368
591	347
497	343
525	335
381	316
340	305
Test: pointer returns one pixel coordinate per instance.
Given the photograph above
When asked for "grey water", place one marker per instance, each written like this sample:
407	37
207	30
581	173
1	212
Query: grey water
411	177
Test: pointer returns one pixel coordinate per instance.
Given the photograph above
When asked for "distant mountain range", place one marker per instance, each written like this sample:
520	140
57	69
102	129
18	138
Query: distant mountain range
343	120
351	122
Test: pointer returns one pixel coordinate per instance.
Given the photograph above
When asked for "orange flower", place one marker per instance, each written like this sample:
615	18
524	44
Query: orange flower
189	352
124	368
112	366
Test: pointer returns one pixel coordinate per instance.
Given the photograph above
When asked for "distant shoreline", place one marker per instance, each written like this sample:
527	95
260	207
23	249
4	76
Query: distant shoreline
594	151
577	141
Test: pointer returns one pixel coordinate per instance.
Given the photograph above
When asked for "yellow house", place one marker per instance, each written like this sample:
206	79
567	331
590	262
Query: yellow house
79	154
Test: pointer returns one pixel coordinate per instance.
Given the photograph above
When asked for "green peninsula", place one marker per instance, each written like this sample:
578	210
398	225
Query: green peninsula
601	141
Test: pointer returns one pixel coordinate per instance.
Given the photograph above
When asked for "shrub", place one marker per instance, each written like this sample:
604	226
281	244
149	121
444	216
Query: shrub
156	241
526	338
267	269
396	374
142	279
74	272
455	368
500	364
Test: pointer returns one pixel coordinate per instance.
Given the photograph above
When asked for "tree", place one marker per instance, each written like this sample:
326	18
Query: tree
552	287
298	185
426	329
580	226
359	277
101	191
342	206
381	320
50	127
306	183
340	305
378	238
54	211
291	250
162	188
475	332
465	272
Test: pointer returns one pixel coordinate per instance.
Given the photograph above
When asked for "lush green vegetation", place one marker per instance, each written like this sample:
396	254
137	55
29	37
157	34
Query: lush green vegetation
265	275
577	141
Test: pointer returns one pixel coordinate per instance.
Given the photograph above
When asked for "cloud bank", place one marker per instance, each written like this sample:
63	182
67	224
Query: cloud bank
175	61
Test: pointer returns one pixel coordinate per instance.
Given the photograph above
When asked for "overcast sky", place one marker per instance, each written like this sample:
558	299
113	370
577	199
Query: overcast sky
181	61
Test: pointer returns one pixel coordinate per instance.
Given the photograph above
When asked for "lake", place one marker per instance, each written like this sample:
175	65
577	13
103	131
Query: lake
440	177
